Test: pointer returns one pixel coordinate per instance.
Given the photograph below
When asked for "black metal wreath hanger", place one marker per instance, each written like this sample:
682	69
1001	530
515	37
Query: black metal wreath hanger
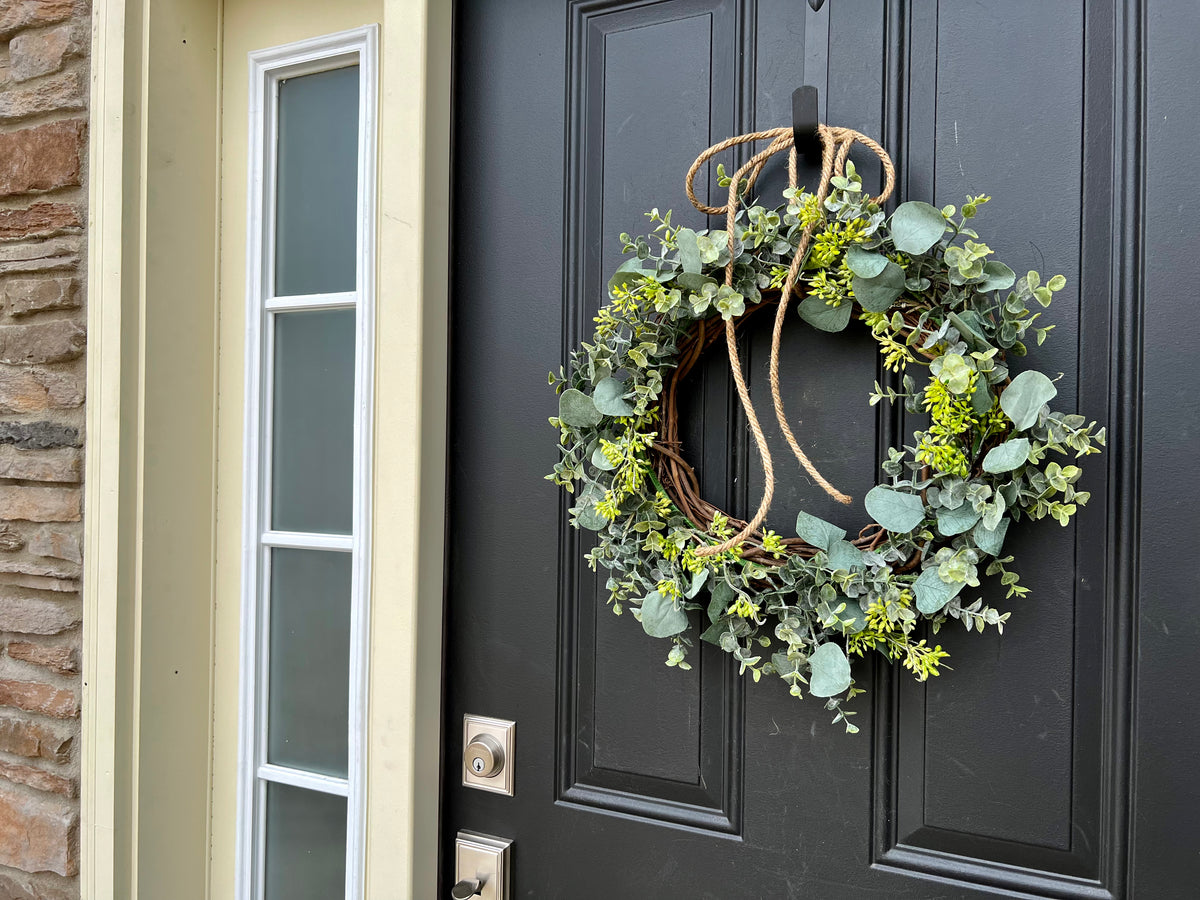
805	124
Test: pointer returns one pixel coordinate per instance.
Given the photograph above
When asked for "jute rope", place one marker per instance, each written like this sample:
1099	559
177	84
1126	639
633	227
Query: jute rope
835	149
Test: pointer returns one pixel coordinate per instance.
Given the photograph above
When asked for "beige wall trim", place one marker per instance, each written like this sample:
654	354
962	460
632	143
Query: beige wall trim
149	491
410	470
156	819
105	747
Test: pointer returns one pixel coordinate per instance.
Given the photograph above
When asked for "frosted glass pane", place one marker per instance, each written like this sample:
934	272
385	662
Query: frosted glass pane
306	844
307	724
313	437
317	183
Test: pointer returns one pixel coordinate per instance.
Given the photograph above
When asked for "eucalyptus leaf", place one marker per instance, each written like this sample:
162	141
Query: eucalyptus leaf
1007	456
661	618
897	511
698	581
932	593
689	251
721	599
865	263
968	326
600	461
916	227
783	665
712	634
853	619
609	398
844	555
585	509
629	272
817	313
955	521
1025	396
953	372
829	673
690	281
877	294
993	511
587	517
577	409
991	540
981	400
953	493
996	277
818	532
663	272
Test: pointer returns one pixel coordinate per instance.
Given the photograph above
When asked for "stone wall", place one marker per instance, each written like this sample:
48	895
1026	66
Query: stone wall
43	132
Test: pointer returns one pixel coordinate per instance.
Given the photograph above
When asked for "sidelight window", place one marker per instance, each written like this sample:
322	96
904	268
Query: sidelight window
311	260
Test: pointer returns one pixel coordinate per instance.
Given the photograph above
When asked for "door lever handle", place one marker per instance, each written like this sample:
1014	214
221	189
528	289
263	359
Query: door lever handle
482	865
466	889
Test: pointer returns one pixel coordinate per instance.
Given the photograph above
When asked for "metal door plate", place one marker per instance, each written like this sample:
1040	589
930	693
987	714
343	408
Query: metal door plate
506	733
487	858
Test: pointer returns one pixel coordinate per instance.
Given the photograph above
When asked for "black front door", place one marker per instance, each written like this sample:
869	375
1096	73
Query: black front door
1052	760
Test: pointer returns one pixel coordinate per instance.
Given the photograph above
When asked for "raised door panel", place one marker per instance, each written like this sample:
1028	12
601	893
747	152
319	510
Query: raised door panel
997	772
650	84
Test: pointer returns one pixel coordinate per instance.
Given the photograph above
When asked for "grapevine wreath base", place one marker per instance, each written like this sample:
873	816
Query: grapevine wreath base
947	318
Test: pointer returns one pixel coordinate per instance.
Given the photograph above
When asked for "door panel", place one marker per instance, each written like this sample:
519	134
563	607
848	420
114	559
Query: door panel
989	758
681	769
1009	774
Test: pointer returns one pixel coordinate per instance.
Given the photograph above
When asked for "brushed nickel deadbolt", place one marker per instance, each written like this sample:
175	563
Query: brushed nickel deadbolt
488	747
484	755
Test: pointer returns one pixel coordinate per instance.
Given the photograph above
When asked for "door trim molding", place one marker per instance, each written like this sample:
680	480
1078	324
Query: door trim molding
412	395
100	819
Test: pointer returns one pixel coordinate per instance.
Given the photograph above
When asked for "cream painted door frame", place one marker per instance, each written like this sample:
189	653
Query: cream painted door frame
164	385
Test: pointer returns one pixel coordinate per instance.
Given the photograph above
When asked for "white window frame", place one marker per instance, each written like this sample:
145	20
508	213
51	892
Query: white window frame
267	68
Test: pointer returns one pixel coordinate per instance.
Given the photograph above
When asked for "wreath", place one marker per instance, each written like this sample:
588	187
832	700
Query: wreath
947	318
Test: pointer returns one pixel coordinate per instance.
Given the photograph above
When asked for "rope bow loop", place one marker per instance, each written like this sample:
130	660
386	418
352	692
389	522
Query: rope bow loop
835	149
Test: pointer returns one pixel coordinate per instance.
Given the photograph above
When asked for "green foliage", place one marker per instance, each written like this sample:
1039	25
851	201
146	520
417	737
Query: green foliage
933	592
877	293
660	615
1023	399
818	532
894	509
1006	456
933	297
577	409
916	227
829	671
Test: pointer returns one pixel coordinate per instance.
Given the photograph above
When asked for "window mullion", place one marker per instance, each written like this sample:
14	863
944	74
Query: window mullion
297	540
325	784
343	300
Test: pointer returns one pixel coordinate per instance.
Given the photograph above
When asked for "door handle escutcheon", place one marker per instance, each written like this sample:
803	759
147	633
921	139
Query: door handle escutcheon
482	867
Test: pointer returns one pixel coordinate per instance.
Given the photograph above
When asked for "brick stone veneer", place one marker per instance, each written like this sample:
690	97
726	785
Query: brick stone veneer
43	133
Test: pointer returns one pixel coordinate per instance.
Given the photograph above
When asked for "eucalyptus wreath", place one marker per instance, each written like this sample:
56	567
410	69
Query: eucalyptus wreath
947	318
